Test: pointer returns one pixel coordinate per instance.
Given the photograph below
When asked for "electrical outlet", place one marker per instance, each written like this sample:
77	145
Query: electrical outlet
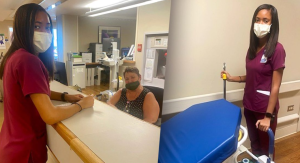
290	108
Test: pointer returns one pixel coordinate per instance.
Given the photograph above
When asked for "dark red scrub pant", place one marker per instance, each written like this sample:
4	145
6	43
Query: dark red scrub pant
259	139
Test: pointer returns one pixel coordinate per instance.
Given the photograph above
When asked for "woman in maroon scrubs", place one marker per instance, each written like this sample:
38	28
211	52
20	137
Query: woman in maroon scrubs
26	70
265	62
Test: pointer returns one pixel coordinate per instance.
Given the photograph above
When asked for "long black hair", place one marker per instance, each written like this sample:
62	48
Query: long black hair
23	31
273	35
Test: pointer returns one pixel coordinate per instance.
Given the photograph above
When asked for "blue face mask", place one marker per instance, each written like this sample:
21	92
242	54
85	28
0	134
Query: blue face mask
133	85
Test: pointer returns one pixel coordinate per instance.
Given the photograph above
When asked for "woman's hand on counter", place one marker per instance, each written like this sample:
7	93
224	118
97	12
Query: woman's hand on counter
73	98
87	102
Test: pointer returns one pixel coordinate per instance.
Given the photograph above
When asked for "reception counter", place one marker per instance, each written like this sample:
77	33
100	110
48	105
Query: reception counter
102	134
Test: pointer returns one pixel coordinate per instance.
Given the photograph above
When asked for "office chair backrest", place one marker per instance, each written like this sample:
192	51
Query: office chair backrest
60	74
159	95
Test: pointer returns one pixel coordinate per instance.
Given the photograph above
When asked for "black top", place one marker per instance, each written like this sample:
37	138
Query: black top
134	107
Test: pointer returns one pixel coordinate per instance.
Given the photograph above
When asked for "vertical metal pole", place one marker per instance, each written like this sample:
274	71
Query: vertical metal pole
224	80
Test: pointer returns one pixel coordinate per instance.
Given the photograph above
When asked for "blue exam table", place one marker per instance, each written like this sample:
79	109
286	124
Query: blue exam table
203	133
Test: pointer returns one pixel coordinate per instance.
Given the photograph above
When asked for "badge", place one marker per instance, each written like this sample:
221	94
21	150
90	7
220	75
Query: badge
263	59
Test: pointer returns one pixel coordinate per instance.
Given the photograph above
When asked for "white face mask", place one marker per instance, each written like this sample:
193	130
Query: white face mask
261	30
41	41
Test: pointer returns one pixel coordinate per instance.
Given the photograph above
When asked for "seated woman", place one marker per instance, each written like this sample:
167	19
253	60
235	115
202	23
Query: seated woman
135	99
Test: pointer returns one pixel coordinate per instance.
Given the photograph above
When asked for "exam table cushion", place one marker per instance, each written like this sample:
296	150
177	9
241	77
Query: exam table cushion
203	133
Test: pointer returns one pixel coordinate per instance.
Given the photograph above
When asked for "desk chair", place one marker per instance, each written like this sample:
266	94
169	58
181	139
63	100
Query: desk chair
60	73
159	95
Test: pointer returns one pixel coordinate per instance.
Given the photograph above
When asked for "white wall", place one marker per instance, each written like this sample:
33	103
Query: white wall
151	18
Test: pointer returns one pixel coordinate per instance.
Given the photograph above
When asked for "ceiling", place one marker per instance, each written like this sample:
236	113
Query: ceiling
8	7
69	7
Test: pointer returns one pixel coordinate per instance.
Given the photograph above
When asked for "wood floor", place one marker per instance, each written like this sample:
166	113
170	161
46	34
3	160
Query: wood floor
288	149
96	89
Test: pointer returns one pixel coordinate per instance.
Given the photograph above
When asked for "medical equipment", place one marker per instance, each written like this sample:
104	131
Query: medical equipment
206	132
241	148
243	131
96	50
108	48
114	62
260	159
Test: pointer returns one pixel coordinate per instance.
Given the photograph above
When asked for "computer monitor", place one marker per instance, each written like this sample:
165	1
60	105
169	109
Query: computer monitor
60	74
107	46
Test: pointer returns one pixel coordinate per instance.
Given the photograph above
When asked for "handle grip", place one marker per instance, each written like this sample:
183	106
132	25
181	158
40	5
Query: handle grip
224	76
271	143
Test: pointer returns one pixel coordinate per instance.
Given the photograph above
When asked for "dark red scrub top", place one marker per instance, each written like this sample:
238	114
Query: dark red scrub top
259	75
23	134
